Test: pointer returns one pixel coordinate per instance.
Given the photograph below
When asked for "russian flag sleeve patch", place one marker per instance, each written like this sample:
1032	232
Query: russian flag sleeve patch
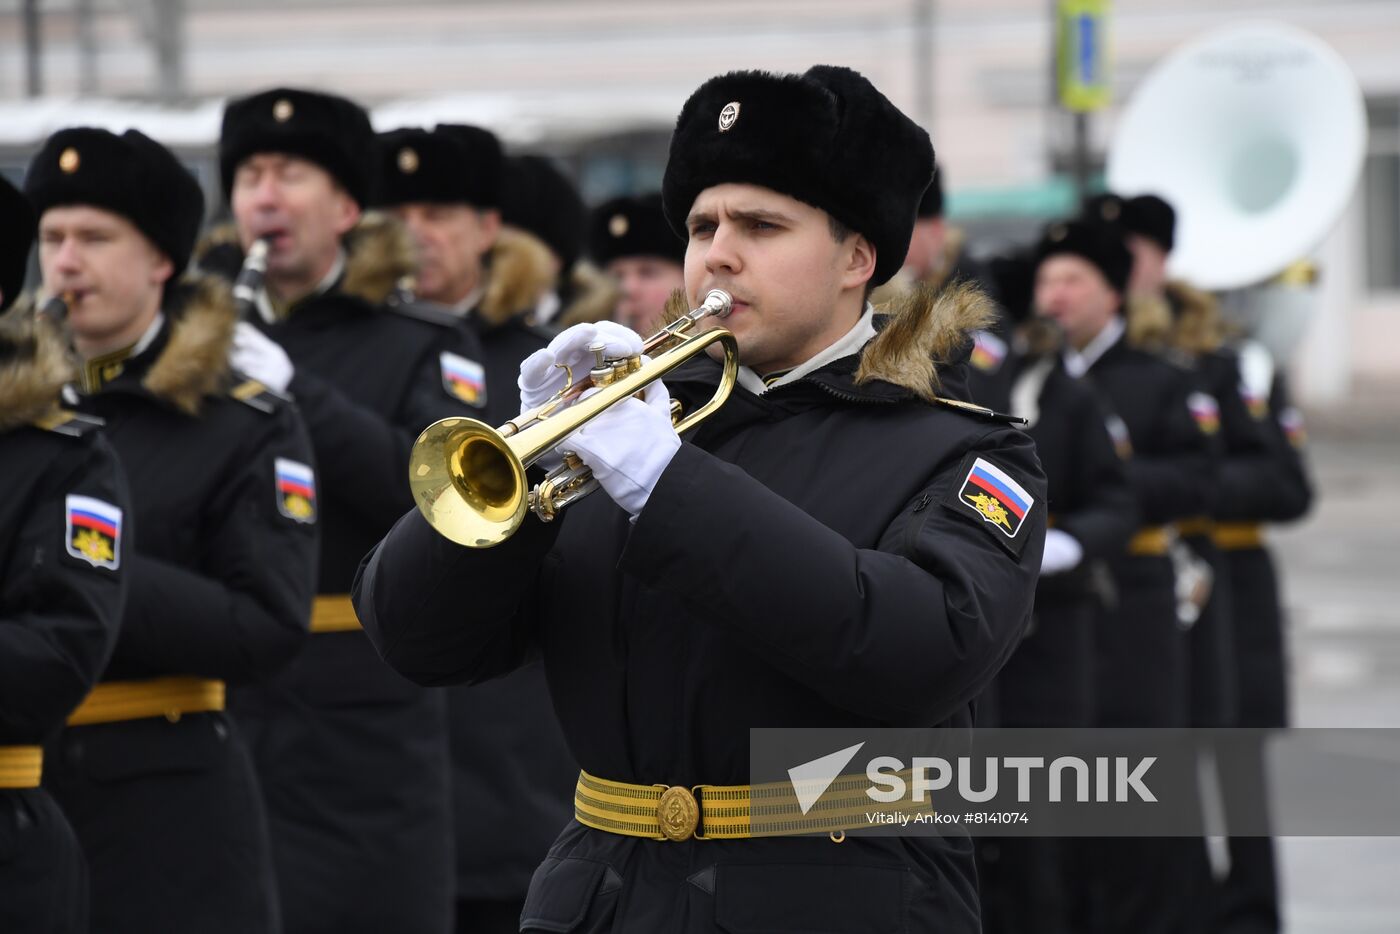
994	498
93	531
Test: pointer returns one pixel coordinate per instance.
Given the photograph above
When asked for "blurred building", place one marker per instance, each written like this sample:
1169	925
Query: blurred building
598	82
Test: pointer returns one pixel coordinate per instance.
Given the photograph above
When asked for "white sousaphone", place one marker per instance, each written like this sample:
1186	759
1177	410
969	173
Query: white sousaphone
1256	134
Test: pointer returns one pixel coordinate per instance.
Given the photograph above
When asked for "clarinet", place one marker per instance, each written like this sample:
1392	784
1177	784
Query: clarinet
55	309
250	280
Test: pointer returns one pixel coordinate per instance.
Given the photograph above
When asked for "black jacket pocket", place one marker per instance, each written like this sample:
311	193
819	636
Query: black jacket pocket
571	896
812	899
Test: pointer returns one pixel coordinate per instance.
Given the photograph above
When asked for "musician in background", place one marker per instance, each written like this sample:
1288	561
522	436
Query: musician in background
540	201
629	238
1141	663
1238	664
817	552
444	186
353	758
1027	883
62	591
155	778
511	773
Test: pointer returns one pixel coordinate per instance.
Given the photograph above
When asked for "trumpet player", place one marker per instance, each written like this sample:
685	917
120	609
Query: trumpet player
154	776
812	554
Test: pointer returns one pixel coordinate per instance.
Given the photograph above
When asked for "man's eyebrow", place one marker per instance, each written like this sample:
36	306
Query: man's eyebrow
751	214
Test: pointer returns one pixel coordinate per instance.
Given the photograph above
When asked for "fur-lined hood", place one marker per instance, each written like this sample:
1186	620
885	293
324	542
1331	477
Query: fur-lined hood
34	367
918	333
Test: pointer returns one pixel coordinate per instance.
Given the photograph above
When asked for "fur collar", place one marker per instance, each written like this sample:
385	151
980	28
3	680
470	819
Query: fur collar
193	362
520	270
32	378
1186	320
922	330
928	328
594	294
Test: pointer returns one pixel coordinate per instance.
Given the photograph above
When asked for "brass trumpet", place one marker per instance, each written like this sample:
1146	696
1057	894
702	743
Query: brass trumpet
468	479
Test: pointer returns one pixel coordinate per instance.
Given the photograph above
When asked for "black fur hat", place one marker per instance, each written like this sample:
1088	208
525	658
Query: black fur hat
1095	241
330	131
632	226
931	204
16	237
451	164
131	175
826	137
1146	215
537	197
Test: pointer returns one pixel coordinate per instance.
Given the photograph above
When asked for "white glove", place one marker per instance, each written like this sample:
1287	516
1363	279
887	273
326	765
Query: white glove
1062	552
542	373
260	357
628	447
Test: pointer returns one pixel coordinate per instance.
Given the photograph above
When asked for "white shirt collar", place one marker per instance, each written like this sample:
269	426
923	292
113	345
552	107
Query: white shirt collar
468	304
854	339
1078	362
150	334
264	304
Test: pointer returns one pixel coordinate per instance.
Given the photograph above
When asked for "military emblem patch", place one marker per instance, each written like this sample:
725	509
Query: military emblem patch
464	379
1257	403
1205	411
1291	420
988	351
1118	434
94	531
296	490
995	498
728	116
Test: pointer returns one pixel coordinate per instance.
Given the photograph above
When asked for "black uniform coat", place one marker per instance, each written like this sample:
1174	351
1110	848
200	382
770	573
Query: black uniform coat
1142	663
59	614
353	757
1242	459
512	775
221	574
1275	488
805	560
1048	682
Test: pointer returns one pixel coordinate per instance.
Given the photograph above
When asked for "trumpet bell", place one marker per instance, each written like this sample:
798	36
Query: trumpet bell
468	482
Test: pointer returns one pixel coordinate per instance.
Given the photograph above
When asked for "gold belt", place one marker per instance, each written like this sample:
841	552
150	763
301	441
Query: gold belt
723	812
1152	540
21	766
1198	525
334	614
1238	536
171	698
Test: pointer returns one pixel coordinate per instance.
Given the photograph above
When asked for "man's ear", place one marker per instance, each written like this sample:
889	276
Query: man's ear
490	225
860	263
348	212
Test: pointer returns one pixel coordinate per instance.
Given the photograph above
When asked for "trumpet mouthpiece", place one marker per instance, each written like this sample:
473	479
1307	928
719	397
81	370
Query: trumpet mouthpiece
718	303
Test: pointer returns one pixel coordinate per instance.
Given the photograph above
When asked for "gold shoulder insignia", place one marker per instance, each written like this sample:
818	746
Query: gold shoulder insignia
980	411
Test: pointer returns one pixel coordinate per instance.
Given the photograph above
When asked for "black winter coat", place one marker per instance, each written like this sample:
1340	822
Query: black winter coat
353	758
1049	680
60	608
221	574
1142	650
512	775
805	560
